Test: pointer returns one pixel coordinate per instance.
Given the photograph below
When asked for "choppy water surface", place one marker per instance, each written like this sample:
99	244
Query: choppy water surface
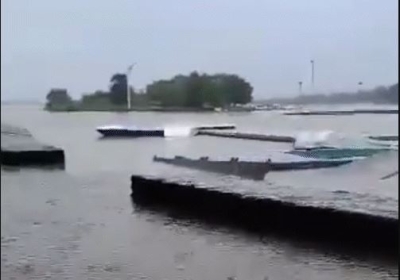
80	223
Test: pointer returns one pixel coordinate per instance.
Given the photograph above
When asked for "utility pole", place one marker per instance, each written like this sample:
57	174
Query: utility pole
128	94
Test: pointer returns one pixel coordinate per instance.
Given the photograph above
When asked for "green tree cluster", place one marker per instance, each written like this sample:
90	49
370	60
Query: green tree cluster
195	91
118	89
191	91
59	99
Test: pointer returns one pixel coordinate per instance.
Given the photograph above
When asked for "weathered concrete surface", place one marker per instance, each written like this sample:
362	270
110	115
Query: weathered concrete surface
19	148
249	136
355	230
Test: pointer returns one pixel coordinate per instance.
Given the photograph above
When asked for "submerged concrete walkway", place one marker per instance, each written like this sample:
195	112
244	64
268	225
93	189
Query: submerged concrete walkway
354	230
20	148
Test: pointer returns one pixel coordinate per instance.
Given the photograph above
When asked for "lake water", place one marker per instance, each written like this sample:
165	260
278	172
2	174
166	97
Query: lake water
80	223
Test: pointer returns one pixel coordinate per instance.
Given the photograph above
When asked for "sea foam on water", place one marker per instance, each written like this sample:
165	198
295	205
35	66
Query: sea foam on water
311	139
178	131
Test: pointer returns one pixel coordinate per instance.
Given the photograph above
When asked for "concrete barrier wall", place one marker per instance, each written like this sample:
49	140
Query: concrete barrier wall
351	229
20	148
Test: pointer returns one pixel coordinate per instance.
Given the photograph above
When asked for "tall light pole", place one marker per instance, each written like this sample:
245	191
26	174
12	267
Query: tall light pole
360	85
300	88
128	94
312	75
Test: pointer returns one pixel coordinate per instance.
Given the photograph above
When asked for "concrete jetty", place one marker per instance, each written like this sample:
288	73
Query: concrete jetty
267	215
248	136
20	148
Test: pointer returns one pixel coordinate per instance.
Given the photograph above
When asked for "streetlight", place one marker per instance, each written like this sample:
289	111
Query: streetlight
300	88
128	94
360	85
312	74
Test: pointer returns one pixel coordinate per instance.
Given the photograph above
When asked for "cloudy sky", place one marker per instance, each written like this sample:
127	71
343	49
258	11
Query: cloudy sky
79	44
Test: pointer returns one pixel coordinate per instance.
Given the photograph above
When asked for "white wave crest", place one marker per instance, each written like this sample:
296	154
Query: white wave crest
312	139
178	131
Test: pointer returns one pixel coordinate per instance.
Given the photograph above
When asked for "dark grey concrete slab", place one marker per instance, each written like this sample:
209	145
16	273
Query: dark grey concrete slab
19	148
353	230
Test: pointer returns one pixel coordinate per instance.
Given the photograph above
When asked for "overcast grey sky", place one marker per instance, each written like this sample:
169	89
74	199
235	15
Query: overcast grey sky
79	44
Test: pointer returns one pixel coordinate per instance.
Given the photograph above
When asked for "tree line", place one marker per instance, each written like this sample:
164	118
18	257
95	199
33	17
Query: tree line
182	91
378	95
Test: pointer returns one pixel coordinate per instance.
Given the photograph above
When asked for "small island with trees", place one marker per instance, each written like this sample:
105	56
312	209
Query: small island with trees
194	92
199	93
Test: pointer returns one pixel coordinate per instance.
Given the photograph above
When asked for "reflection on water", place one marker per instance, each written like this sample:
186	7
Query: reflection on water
299	241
